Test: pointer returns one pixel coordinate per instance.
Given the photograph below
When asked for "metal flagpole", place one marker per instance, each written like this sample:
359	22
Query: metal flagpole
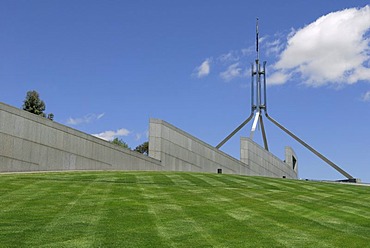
259	104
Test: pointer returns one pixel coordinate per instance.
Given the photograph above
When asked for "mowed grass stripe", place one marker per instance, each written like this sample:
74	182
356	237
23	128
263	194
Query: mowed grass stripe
178	180
146	179
211	181
253	210
324	222
77	221
180	229
9	186
202	225
286	228
35	207
279	195
330	209
212	198
239	181
160	209
126	221
13	212
211	212
174	226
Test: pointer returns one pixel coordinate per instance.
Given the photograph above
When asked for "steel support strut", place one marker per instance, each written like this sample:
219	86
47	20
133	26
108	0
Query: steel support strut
235	131
259	105
253	108
264	134
336	167
256	99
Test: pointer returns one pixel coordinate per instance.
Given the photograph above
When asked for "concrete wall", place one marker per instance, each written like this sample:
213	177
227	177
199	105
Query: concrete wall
179	151
32	143
291	159
264	162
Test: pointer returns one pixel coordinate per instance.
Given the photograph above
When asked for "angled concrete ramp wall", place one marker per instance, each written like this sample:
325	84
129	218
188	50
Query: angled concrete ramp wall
265	163
180	151
32	143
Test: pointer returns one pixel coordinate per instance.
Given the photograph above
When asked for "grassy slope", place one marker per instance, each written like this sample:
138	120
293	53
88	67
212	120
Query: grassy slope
149	209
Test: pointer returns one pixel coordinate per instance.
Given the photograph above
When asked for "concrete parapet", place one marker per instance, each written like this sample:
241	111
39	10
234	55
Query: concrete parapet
33	143
180	151
265	163
291	159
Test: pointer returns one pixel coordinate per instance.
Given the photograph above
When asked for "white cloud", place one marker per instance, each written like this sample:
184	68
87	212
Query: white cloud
85	119
110	135
274	47
203	70
231	56
277	78
248	51
332	50
232	60
100	116
366	97
231	72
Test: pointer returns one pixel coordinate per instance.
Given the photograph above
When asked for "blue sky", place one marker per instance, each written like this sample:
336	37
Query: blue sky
106	67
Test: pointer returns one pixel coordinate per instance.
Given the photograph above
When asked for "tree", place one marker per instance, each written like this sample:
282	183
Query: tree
120	142
143	148
51	116
35	105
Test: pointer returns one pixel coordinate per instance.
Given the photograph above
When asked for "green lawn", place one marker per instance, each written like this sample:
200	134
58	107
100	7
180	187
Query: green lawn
151	209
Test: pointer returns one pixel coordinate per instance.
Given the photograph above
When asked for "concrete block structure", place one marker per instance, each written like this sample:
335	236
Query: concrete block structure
33	143
265	163
291	159
179	151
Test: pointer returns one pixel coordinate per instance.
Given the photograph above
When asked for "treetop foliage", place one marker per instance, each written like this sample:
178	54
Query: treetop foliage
143	148
120	142
35	105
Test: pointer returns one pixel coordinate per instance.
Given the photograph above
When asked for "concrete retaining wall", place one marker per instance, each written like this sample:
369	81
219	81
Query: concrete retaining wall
32	143
265	163
179	151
